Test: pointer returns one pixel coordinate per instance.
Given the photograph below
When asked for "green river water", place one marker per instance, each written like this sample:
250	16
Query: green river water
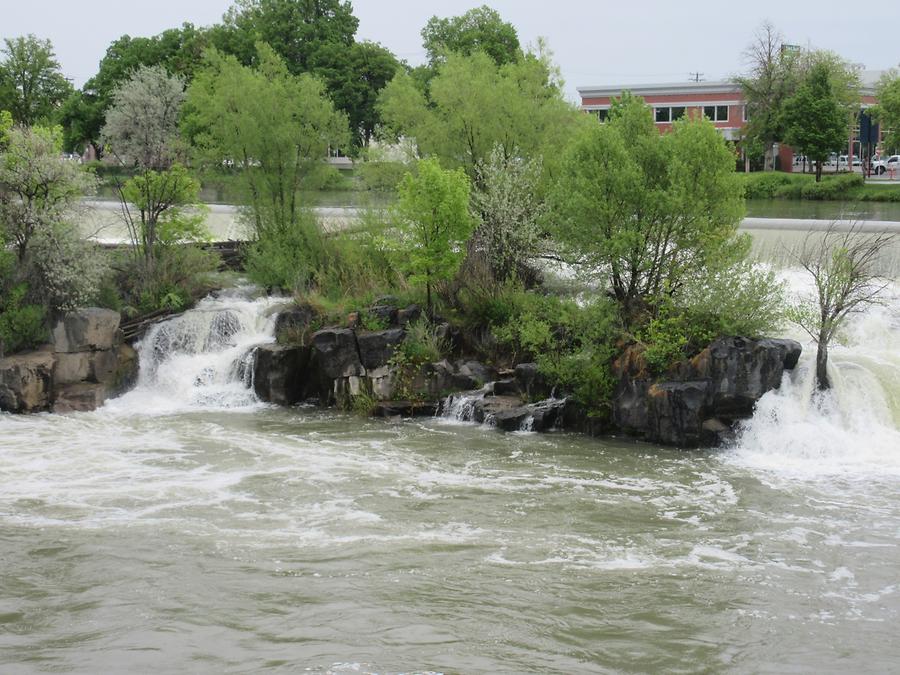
187	528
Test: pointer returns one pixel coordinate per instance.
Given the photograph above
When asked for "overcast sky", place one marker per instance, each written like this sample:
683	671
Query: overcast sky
601	42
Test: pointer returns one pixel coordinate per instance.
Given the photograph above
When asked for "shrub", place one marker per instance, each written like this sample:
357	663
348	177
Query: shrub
287	257
22	326
766	184
833	187
381	176
423	343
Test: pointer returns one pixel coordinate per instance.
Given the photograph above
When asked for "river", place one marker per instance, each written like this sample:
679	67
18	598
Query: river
187	528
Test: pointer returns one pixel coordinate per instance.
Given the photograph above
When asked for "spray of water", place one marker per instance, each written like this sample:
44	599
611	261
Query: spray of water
202	359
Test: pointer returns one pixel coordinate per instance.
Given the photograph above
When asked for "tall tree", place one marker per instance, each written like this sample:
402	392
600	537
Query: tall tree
479	29
274	126
475	105
844	269
141	132
31	83
178	50
646	212
815	122
433	208
887	112
770	81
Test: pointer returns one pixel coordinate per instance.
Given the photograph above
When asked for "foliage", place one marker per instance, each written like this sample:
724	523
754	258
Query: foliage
22	325
844	271
160	209
645	212
770	81
573	345
63	270
142	123
474	105
509	208
38	188
813	119
315	38
423	343
381	176
31	84
287	257
887	112
434	224
765	185
177	50
833	187
226	103
479	30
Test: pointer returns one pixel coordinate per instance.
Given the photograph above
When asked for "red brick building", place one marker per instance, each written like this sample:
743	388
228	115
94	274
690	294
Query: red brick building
721	102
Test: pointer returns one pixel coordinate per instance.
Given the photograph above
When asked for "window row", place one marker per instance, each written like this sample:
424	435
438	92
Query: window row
715	113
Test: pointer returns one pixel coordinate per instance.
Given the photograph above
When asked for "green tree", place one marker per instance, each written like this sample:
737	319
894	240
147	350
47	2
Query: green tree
433	210
480	29
770	81
273	127
475	105
844	266
644	212
510	211
39	196
31	83
813	119
887	112
178	50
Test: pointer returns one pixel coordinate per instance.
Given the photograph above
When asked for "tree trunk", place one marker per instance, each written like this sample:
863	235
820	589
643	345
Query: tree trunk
818	170
822	380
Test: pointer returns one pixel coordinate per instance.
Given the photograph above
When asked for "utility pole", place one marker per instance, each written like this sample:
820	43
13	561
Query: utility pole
696	77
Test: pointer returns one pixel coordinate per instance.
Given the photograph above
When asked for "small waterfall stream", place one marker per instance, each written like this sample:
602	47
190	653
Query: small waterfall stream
203	358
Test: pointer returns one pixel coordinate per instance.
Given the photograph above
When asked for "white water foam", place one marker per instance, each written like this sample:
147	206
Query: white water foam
851	430
202	359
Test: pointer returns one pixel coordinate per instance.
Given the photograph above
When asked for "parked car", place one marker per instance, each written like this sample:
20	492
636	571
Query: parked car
886	164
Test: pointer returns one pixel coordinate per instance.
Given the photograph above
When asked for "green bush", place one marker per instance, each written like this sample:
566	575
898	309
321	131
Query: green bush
287	258
22	326
423	343
766	184
833	187
382	176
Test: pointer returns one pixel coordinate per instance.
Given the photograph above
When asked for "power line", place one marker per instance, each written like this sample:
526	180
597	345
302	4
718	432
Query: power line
696	77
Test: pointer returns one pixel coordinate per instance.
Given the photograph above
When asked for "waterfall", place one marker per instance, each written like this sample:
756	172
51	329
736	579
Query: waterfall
460	407
852	428
202	359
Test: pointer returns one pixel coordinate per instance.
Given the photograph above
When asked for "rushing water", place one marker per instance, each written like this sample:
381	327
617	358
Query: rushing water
186	527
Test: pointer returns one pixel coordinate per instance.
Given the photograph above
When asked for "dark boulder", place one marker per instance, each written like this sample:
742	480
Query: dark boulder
376	348
406	409
292	325
26	382
676	411
531	381
281	373
335	353
408	315
383	314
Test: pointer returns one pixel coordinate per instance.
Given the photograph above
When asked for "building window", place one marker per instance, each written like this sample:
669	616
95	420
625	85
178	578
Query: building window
716	113
663	114
744	117
677	113
603	114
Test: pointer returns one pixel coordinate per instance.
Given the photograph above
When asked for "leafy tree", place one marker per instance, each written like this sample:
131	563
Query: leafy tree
38	189
479	30
509	210
141	127
645	212
178	50
354	77
296	30
274	127
39	193
844	271
813	120
31	83
771	80
433	209
887	112
476	105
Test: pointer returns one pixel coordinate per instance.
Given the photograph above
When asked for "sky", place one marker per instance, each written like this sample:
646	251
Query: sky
601	42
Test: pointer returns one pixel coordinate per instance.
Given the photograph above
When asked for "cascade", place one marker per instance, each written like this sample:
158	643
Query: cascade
203	358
